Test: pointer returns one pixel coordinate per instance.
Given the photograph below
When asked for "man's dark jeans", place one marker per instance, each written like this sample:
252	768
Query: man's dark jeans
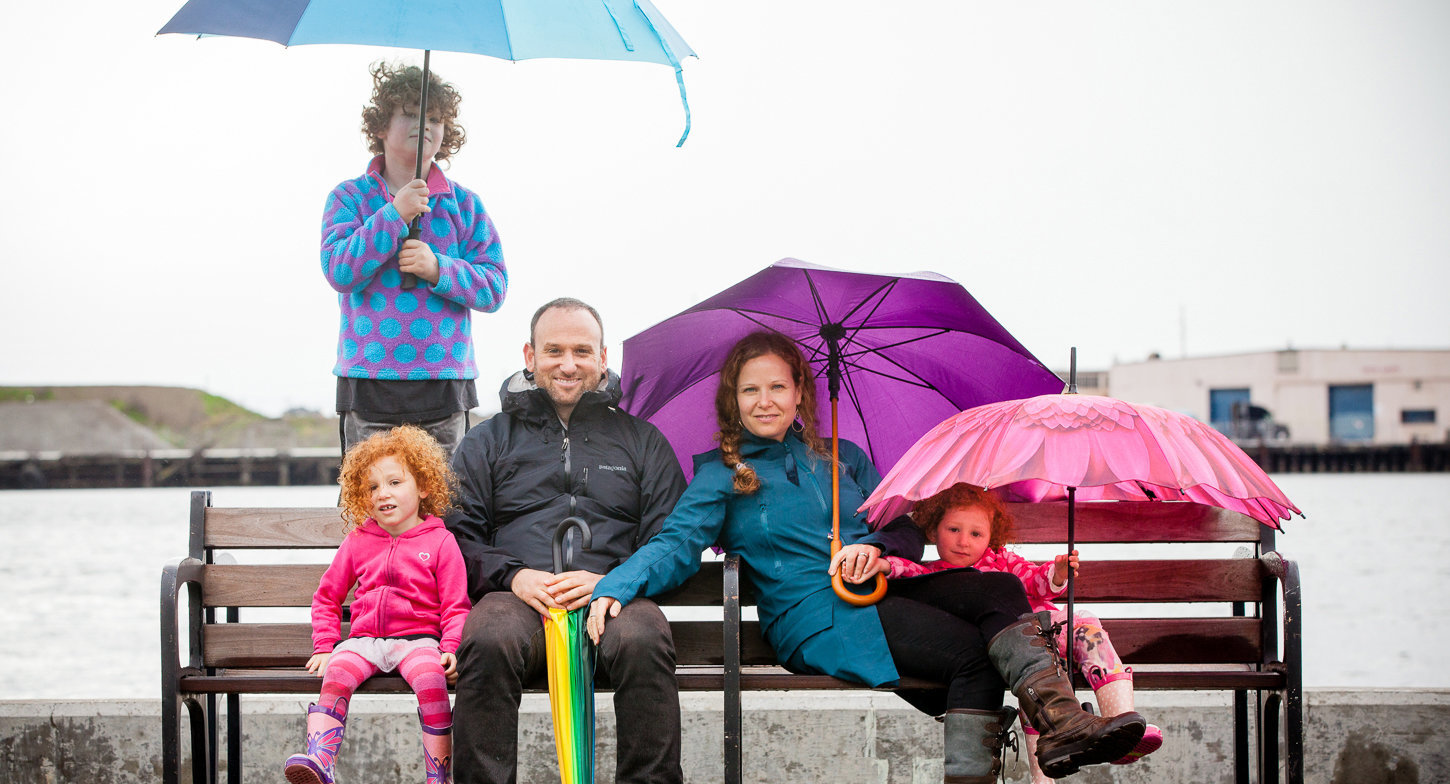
503	649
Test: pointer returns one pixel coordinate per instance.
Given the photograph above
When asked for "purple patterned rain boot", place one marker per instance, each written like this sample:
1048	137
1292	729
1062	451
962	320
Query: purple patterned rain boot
324	737
437	752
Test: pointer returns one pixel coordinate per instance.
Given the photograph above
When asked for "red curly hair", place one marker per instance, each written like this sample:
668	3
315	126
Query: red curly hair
928	512
418	452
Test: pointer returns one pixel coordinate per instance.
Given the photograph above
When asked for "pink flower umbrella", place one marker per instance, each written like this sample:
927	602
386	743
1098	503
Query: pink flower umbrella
1049	447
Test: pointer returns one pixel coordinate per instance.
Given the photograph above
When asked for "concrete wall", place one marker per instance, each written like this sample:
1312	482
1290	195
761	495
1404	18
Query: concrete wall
1356	737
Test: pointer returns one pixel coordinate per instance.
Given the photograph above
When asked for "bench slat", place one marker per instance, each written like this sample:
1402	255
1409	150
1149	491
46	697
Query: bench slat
292	585
272	528
1138	640
1132	521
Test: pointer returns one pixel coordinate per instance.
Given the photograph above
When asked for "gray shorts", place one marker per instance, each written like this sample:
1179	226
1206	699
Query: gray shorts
448	431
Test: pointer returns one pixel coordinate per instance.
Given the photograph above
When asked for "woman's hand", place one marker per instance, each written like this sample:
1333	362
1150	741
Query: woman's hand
318	663
858	563
602	607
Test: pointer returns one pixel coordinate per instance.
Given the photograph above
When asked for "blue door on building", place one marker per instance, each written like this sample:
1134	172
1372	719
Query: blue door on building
1351	412
1221	408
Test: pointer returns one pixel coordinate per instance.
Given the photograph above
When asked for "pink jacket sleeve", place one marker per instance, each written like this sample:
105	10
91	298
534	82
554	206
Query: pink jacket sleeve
327	601
1036	577
453	600
905	567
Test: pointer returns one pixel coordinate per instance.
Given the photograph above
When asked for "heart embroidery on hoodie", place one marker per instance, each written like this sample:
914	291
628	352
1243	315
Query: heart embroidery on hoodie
423	556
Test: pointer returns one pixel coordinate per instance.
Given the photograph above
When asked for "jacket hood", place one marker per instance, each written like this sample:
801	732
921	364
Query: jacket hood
521	397
429	523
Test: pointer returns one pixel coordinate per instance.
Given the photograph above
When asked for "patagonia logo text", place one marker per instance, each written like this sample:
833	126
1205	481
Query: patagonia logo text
612	468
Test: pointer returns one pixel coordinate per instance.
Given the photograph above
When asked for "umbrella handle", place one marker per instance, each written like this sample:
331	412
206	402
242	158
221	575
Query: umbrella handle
847	595
562	564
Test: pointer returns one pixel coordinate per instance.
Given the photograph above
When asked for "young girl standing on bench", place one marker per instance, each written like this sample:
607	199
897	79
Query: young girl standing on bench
410	601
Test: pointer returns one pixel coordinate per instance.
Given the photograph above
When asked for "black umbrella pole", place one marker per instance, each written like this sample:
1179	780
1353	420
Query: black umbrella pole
415	228
1071	578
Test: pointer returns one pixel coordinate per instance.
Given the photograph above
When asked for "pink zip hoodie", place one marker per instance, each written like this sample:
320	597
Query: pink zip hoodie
413	584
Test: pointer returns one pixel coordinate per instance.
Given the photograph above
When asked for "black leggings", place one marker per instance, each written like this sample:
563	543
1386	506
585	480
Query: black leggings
937	627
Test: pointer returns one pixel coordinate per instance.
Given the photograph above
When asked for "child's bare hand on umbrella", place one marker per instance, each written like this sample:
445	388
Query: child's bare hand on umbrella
1061	564
417	258
411	200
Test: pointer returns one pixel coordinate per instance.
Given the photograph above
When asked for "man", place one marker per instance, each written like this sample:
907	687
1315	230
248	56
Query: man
560	447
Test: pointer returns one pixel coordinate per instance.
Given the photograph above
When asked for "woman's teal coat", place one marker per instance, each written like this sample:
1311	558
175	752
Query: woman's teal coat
783	533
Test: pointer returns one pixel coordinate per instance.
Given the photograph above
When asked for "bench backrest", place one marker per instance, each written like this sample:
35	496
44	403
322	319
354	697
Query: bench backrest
1236	628
232	588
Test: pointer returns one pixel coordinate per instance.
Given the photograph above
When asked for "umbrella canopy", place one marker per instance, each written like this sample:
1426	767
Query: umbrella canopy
569	656
1103	448
1054	446
507	29
913	349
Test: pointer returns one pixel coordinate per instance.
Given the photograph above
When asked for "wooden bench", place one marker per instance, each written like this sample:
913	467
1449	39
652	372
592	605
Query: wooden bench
209	651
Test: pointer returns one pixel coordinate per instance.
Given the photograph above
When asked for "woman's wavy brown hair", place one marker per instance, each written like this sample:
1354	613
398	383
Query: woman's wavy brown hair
397	85
928	512
727	408
423	457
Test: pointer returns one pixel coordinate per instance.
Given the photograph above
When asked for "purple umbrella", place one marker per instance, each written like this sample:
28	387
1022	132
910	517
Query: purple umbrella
907	351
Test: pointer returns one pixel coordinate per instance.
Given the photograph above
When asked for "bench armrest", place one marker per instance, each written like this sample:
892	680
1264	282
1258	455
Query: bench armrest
1286	572
182	575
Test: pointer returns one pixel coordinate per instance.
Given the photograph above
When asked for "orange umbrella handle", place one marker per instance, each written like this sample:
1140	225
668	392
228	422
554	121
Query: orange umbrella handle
858	599
847	596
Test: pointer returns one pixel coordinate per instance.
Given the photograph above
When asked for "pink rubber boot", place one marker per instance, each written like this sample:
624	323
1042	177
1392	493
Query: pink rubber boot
324	737
437	752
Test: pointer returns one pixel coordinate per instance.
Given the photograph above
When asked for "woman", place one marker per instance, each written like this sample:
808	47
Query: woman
765	494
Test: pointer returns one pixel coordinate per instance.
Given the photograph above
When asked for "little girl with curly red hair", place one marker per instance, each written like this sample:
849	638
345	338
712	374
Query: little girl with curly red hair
410	598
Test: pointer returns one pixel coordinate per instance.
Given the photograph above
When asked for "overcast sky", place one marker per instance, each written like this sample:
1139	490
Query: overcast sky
1122	177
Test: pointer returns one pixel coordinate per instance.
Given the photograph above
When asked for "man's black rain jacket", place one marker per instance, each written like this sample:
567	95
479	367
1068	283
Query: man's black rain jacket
520	473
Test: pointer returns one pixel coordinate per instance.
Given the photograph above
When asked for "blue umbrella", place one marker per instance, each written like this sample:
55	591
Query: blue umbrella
508	29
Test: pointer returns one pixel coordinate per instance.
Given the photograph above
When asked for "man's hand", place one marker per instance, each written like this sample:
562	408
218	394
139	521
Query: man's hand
416	257
572	589
532	587
411	200
601	610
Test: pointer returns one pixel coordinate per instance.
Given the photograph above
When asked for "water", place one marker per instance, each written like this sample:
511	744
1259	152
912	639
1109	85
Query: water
81	576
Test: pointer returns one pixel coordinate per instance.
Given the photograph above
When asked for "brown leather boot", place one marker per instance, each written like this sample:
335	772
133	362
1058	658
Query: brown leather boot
1071	738
973	743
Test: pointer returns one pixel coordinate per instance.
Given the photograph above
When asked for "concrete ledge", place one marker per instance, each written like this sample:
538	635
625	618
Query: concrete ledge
1352	737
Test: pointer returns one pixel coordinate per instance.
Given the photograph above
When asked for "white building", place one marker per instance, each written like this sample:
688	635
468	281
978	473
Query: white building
1321	396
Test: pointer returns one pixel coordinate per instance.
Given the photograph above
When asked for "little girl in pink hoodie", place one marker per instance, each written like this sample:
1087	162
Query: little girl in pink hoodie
410	602
970	527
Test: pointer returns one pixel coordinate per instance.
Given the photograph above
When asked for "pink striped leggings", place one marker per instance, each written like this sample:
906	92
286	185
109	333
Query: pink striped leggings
419	666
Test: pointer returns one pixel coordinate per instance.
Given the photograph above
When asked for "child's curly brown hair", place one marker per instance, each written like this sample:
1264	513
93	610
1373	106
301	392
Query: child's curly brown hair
397	85
424	459
928	512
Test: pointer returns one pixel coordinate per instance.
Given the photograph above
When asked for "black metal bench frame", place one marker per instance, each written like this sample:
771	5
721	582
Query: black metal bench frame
209	653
